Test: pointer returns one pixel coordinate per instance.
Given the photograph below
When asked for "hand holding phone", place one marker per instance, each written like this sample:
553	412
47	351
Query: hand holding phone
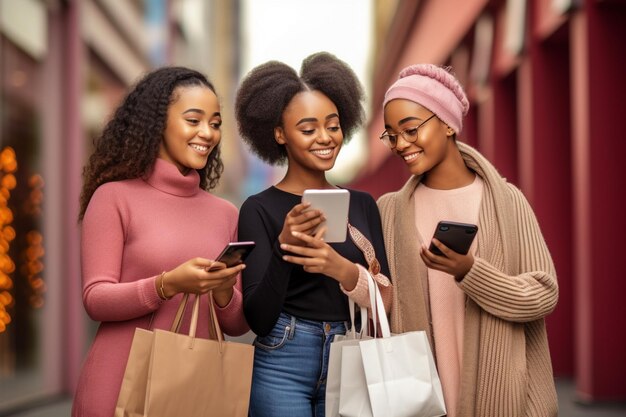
456	236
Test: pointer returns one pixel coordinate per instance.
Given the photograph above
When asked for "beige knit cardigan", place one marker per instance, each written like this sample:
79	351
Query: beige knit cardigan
511	287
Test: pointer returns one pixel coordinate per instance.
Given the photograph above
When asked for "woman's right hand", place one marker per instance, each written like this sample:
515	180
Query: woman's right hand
299	220
198	276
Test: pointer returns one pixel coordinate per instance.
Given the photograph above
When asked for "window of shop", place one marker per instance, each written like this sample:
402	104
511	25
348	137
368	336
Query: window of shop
22	246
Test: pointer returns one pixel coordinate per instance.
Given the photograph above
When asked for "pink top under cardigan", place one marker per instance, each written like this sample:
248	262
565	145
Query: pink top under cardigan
447	299
131	232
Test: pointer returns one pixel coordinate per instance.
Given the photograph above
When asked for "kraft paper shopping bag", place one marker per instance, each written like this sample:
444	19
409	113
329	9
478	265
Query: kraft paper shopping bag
193	377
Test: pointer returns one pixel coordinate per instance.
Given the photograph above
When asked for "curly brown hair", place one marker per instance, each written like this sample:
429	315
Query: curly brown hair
130	142
267	90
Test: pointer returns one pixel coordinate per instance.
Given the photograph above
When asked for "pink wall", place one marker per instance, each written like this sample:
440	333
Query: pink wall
73	161
545	169
598	86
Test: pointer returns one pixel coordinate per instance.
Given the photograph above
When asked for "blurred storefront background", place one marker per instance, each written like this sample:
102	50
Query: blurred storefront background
64	67
544	79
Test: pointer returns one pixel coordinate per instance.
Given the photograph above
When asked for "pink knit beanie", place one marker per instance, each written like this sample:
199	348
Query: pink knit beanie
435	88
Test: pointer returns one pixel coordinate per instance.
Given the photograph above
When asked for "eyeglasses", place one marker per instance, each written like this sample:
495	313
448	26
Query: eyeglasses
409	134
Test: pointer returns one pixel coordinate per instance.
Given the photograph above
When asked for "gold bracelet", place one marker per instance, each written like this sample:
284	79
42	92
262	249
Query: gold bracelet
161	291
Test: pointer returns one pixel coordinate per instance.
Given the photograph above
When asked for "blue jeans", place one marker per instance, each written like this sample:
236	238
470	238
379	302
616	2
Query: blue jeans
290	367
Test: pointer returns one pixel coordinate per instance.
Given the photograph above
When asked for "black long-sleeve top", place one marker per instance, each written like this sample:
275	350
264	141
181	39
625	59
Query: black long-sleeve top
272	285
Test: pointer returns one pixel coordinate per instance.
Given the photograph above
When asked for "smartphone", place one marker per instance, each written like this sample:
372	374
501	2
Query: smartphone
456	236
334	204
235	253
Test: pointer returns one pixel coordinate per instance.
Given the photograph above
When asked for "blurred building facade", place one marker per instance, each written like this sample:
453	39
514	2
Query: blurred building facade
64	67
545	79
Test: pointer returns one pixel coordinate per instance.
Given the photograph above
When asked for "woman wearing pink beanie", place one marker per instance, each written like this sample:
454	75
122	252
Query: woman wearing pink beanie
483	311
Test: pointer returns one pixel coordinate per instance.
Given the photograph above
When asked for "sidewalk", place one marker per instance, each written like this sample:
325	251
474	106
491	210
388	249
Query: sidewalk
568	407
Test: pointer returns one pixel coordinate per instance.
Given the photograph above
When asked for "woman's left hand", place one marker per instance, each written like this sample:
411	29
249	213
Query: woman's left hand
317	256
452	263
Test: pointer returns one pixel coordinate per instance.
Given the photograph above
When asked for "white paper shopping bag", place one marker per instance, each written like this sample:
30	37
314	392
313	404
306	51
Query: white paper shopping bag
398	372
399	377
333	379
354	395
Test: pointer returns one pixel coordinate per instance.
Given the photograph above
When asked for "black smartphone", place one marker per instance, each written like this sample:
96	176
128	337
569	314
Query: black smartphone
235	253
456	236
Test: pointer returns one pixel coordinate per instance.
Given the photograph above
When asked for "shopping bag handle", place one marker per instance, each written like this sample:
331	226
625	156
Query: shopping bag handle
364	331
194	317
378	308
215	331
178	318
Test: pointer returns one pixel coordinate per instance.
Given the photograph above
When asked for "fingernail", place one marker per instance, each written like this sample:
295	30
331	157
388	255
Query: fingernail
295	233
283	246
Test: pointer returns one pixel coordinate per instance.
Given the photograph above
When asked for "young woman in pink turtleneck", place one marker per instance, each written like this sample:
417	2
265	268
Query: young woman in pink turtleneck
150	229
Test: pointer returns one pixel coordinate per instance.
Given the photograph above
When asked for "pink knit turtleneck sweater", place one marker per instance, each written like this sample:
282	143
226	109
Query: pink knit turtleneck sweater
132	231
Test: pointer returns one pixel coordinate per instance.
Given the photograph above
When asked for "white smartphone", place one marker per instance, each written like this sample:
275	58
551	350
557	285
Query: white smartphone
334	204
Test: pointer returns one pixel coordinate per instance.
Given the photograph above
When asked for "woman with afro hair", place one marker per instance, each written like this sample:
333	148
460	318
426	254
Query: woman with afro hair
484	310
150	230
296	286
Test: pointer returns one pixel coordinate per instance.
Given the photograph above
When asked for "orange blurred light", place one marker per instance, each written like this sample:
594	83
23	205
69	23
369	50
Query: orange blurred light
35	180
6	283
9	233
6	264
6	298
4	316
33	252
9	181
10	166
6	215
34	237
34	267
38	284
7	155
